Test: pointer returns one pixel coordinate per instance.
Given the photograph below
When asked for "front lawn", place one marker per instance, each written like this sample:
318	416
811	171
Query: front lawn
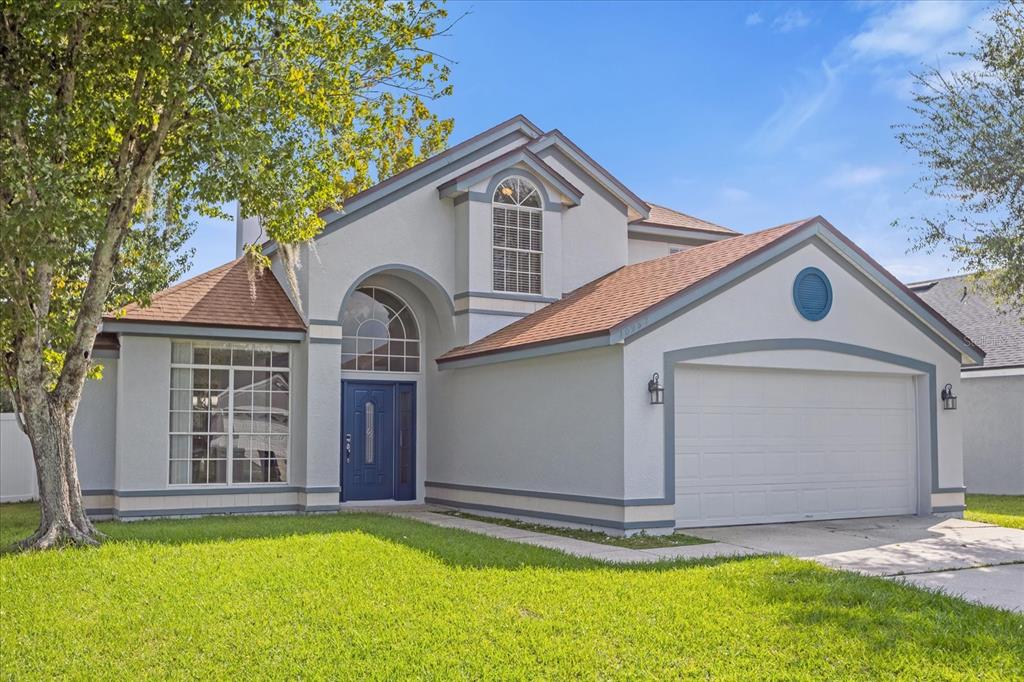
1001	510
639	541
367	596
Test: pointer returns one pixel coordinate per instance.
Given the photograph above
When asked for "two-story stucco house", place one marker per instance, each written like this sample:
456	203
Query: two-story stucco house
506	327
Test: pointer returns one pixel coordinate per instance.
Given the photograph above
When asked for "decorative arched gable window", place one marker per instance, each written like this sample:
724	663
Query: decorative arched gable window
379	333
518	226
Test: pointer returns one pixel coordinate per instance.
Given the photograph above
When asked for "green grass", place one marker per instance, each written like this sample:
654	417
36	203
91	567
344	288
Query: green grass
1001	510
367	596
639	541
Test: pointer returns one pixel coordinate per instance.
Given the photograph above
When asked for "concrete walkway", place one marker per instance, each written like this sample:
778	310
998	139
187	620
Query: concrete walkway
976	561
581	548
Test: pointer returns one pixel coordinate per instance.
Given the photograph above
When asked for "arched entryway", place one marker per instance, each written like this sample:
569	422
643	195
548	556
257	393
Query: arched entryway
390	325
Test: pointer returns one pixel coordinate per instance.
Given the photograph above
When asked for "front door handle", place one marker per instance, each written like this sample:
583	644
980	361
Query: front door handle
348	447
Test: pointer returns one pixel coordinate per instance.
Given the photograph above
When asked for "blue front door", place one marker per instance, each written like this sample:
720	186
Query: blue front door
378	441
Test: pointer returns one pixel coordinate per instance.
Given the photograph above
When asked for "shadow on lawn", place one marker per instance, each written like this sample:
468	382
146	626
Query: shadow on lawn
452	546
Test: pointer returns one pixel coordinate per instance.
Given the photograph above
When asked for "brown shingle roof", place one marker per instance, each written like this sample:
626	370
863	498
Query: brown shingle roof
220	297
662	216
597	307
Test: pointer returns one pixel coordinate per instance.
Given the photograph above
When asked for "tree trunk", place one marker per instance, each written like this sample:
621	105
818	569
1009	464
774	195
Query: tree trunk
63	520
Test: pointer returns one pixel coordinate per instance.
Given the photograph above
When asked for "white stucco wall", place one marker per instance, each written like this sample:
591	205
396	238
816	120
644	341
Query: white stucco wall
992	409
549	424
594	234
643	249
761	307
93	436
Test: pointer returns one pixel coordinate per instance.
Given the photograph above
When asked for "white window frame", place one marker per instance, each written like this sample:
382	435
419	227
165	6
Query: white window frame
229	478
516	207
419	338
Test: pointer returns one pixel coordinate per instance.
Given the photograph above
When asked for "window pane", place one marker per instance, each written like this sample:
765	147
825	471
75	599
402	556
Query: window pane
180	378
368	443
241	357
200	422
219	379
180	422
200	355
200	447
180	447
220	356
261	358
181	352
181	400
200	378
280	358
179	471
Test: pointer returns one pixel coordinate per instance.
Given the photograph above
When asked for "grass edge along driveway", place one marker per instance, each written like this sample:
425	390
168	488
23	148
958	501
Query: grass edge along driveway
362	595
1000	510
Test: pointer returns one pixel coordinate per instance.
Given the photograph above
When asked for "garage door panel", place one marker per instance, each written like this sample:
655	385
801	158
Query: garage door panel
785	445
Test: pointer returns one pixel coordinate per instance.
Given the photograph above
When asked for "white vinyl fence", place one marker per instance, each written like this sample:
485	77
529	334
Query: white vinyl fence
17	470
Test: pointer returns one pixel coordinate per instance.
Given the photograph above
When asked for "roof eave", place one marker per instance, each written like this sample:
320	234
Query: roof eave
556	138
463	183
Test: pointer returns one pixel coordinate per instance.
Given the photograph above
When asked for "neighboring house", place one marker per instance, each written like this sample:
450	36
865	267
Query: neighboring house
992	393
489	330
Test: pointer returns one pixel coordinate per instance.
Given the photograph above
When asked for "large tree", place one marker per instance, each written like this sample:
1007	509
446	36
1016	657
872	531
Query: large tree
121	120
969	136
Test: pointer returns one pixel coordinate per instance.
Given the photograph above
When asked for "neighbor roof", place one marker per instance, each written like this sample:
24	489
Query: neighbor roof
221	297
975	313
662	216
597	307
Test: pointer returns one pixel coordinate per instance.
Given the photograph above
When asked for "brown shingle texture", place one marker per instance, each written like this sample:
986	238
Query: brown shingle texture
600	305
220	297
662	216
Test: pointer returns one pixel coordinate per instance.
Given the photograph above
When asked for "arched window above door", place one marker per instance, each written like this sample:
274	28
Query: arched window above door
379	333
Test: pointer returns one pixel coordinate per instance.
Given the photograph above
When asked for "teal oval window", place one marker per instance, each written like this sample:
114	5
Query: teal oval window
812	294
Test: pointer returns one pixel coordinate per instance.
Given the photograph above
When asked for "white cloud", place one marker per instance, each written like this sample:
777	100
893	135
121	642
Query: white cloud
790	21
919	29
848	176
734	194
754	19
797	109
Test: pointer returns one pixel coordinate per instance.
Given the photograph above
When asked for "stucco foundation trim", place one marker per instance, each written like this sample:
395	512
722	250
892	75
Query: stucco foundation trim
220	490
568	497
949	508
550	516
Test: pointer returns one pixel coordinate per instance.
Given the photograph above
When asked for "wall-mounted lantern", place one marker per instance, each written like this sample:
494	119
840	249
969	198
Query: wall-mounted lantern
948	398
656	390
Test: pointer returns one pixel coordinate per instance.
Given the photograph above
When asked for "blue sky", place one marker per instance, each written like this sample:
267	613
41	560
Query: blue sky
745	114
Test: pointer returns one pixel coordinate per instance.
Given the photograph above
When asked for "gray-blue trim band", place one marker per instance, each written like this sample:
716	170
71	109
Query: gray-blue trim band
949	508
671	358
950	489
524	353
590	499
402	268
486	311
504	296
219	490
330	323
229	333
582	520
325	339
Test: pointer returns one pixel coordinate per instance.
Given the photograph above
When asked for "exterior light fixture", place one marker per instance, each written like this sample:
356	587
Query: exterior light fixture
656	390
948	397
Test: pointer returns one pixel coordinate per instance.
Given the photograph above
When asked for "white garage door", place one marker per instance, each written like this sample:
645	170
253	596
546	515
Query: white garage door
771	445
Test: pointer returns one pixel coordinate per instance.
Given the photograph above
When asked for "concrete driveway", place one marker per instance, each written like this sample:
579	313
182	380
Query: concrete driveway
977	561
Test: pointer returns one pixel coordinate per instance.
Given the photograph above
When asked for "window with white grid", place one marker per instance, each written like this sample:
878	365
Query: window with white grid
518	226
379	333
229	393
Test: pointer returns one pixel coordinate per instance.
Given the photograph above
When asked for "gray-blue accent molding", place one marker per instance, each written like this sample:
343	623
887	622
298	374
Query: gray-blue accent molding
568	518
505	296
568	497
190	331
